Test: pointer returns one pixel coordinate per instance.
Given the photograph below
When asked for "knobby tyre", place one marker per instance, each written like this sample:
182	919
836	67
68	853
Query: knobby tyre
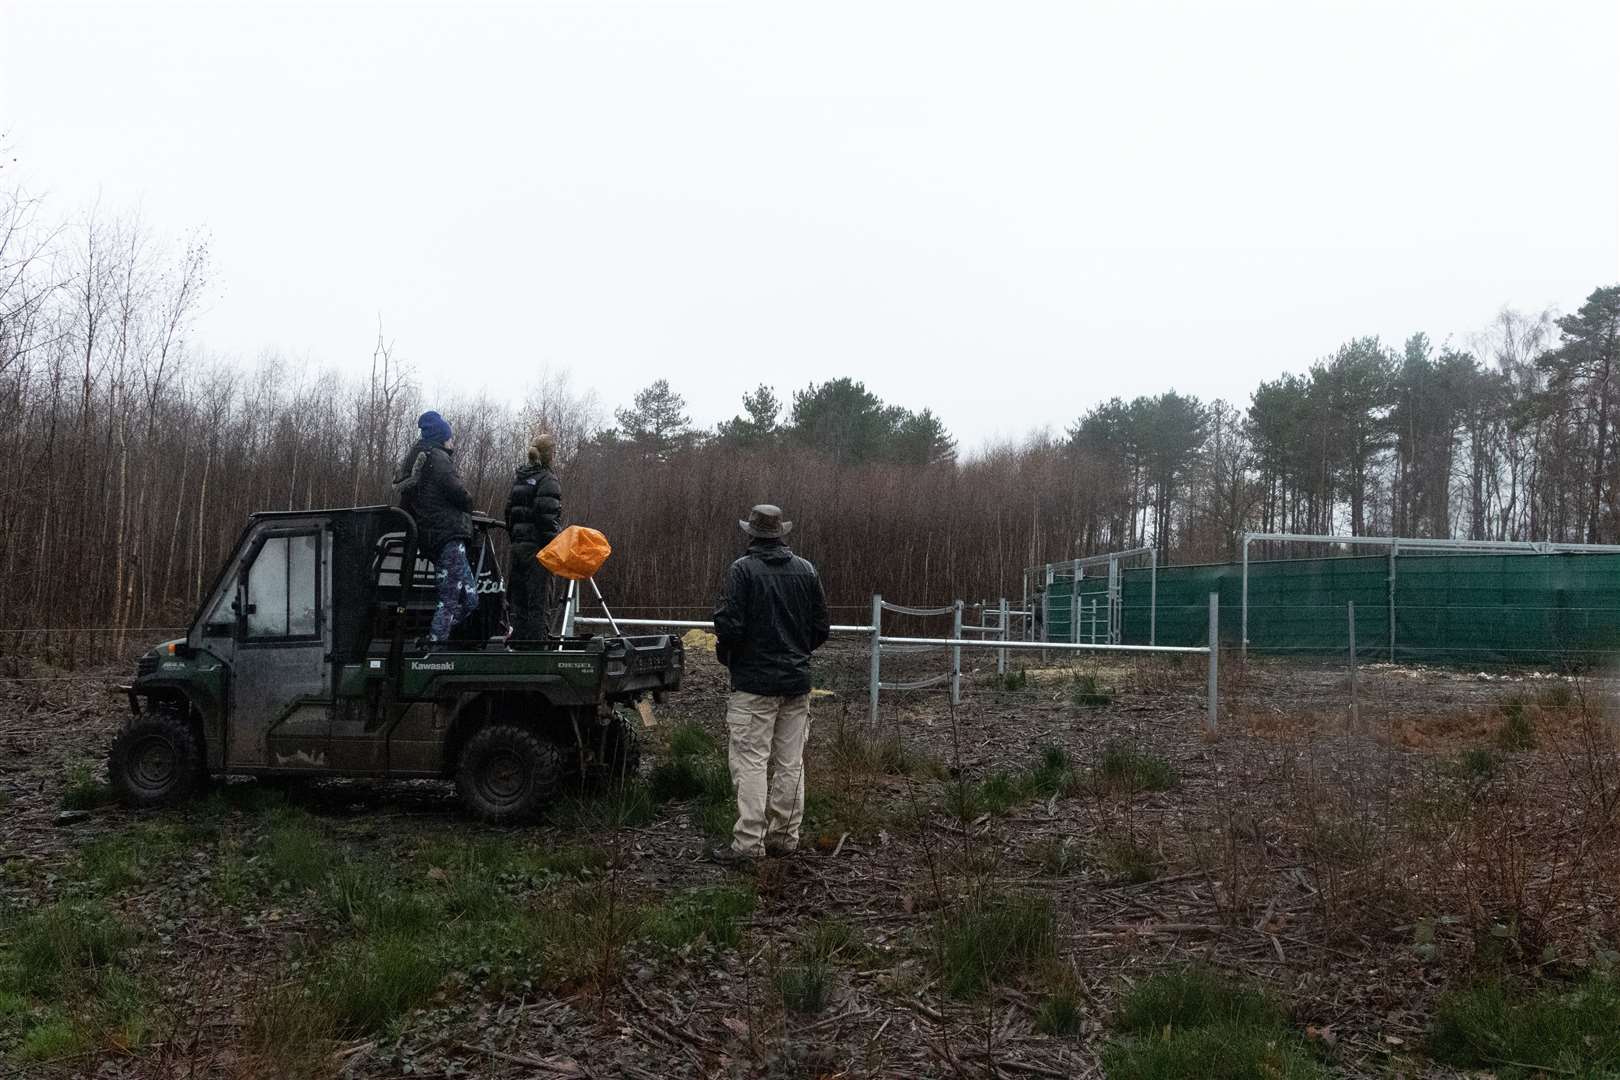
508	773
156	761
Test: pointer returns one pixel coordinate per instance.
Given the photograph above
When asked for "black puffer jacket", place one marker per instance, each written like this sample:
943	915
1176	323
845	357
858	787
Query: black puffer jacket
771	616
429	487
534	506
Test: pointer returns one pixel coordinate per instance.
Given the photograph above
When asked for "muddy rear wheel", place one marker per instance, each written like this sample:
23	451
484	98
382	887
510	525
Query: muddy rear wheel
620	761
508	773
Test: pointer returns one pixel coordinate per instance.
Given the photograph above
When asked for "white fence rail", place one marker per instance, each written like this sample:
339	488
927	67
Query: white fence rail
957	642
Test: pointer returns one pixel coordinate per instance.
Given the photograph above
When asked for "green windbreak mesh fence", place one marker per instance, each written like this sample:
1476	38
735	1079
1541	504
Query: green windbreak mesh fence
1460	609
1183	604
1540	609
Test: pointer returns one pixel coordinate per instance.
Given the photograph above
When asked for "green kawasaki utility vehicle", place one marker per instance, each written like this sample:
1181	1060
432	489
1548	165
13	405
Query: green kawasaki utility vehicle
300	662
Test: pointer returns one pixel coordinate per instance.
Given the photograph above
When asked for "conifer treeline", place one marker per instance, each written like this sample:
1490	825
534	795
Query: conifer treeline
129	458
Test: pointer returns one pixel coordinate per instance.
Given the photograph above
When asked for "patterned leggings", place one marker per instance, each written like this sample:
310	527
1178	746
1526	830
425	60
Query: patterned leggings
458	592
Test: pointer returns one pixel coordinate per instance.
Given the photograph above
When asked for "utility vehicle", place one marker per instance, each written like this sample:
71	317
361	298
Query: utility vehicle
302	661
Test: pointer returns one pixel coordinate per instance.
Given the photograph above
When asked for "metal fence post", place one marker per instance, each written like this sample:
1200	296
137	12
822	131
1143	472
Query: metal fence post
1394	549
1001	654
1214	661
956	655
1245	616
1113	598
877	659
1153	597
1028	621
1355	707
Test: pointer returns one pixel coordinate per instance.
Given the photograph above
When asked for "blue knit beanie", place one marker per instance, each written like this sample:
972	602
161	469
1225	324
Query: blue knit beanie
434	427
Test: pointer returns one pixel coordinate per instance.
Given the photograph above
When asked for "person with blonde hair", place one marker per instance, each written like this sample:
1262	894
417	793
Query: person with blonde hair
533	520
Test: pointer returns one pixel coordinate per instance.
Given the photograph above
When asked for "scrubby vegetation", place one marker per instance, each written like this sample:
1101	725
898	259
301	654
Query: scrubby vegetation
1016	858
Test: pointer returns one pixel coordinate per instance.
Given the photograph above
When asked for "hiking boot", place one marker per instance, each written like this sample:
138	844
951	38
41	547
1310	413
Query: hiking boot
726	855
781	849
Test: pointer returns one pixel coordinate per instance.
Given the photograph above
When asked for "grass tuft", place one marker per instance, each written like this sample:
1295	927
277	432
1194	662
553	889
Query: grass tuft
84	791
853	752
569	861
591	933
288	1034
808	984
1087	693
1518	730
706	779
623	806
1211	1053
1194	998
827	939
62	942
806	987
990	938
1060	1014
828	814
120	1010
1478	764
367	899
1195	1023
1009	680
1560	1029
689	740
1055	855
716	808
708	915
368	984
113	863
677	779
298	855
53	1038
1001	792
1123	768
1557	696
1129	860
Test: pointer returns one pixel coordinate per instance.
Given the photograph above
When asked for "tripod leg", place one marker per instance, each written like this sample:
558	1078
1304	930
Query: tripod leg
605	610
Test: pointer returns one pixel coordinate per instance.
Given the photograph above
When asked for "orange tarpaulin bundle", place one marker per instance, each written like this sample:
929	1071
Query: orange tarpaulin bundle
577	553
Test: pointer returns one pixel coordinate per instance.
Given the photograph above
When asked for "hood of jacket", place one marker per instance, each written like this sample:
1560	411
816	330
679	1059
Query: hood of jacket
531	468
772	551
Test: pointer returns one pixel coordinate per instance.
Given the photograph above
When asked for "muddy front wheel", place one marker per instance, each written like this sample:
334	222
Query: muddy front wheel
155	761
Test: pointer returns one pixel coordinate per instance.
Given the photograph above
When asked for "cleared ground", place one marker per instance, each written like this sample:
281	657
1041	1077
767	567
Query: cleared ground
1067	876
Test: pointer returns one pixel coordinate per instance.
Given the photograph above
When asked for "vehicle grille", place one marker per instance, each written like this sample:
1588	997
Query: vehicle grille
146	665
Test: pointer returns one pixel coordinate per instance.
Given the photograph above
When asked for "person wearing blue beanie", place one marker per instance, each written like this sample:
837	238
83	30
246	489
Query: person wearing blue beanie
434	428
429	488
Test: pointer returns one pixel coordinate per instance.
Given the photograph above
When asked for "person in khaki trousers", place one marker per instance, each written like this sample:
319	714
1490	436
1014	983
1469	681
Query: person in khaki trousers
771	616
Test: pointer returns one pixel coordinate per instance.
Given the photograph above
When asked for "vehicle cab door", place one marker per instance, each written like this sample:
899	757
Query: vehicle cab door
280	692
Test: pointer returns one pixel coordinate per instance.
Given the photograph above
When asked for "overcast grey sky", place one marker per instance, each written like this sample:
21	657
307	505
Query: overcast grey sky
1003	211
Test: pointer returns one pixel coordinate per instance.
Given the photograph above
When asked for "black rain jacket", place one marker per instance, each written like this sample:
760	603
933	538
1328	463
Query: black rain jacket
771	616
534	506
429	488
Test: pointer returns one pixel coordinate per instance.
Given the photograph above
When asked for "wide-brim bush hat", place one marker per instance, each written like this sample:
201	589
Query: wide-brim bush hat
765	523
